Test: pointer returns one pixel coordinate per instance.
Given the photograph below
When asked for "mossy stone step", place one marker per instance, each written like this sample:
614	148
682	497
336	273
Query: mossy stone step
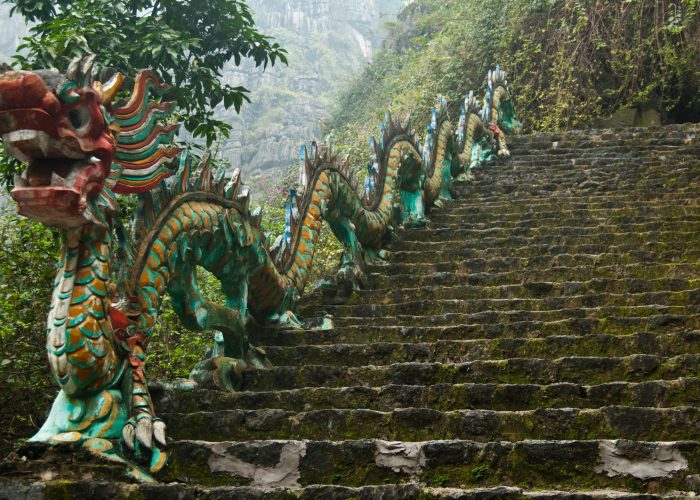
409	305
521	291
650	149
648	271
419	424
621	464
519	147
103	490
457	351
424	262
445	318
630	202
574	369
366	333
255	469
582	218
567	236
466	251
443	397
641	228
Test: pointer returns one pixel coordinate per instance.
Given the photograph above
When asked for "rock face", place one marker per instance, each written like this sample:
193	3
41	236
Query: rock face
543	334
327	41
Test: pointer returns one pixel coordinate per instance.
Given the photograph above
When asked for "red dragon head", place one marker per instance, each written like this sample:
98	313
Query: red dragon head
78	148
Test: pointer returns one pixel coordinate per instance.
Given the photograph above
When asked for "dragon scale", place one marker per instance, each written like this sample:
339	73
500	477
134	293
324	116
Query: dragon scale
83	147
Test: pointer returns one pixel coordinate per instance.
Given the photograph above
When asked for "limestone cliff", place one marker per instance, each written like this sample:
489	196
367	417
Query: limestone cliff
327	41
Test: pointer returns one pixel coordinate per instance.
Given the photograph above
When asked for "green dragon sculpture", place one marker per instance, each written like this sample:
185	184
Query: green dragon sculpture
83	146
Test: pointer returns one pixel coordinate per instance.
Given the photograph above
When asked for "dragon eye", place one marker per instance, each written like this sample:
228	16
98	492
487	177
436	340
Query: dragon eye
79	117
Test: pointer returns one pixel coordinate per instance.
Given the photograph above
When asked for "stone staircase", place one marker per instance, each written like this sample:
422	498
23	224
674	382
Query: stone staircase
541	339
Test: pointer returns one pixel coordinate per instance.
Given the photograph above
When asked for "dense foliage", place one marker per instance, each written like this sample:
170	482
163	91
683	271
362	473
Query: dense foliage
568	61
27	268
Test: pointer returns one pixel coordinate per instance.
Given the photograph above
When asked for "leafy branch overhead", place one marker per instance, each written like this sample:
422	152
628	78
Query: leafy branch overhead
186	42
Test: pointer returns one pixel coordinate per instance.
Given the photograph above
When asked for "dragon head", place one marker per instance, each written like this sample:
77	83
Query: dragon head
80	149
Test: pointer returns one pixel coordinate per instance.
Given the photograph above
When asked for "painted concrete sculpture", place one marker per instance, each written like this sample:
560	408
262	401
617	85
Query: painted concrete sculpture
83	146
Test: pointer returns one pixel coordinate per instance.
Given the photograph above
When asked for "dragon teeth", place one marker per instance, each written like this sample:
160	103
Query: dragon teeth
20	181
57	180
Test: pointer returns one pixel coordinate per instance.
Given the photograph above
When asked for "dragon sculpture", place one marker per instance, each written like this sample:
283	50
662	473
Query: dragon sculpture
84	144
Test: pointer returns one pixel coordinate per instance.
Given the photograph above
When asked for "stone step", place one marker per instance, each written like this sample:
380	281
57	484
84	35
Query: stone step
610	159
611	151
432	306
574	369
680	232
581	218
104	490
447	318
554	192
572	169
542	168
558	177
625	465
528	205
598	137
655	251
481	260
519	147
658	191
648	271
466	228
583	227
519	291
569	170
366	332
421	424
459	351
442	397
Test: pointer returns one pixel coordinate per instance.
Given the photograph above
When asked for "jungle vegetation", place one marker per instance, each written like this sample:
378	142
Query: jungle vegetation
569	62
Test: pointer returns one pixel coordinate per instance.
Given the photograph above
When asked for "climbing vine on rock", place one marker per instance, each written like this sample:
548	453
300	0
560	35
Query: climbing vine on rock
570	62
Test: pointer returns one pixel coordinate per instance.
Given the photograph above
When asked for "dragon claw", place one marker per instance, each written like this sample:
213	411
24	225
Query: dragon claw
159	431
129	435
144	431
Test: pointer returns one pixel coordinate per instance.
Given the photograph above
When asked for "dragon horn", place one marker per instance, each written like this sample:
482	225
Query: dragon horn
184	173
256	217
109	90
231	189
204	179
244	198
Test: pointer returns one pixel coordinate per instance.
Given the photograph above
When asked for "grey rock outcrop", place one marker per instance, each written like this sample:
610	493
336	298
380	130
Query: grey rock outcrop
327	41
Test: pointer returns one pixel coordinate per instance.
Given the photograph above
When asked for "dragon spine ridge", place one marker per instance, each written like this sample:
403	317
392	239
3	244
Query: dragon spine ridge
82	150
